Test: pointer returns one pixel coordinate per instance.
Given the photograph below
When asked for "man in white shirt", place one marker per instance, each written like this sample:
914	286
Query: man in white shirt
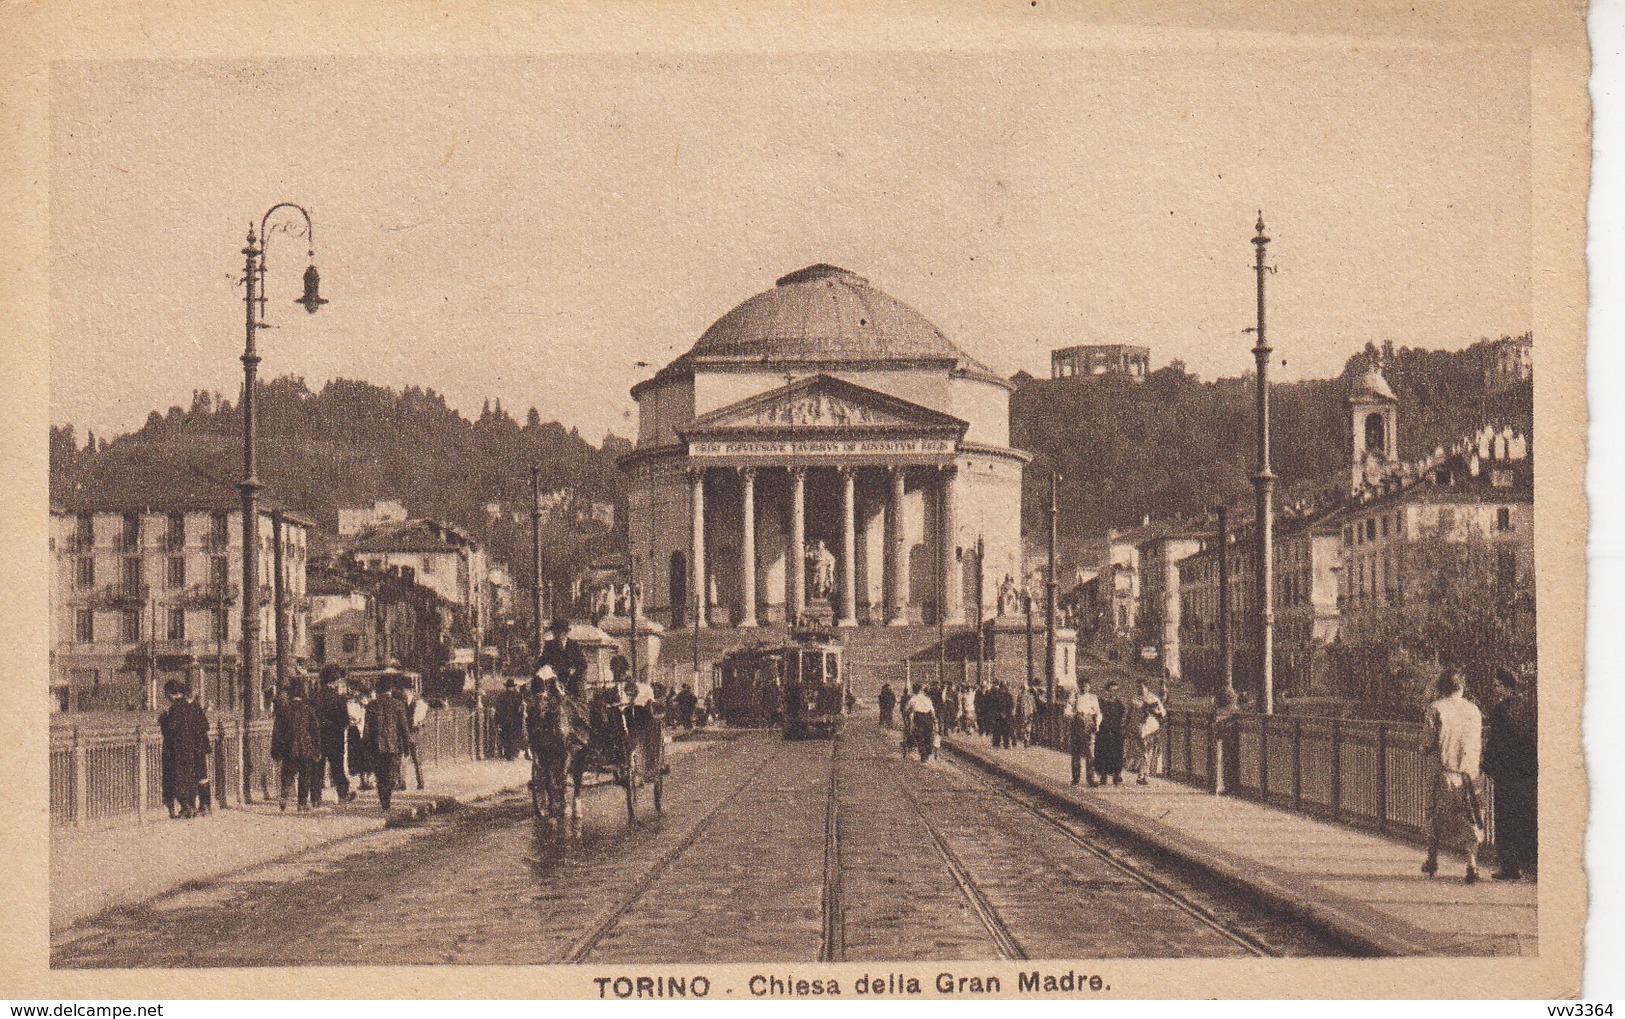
1082	713
919	723
1455	733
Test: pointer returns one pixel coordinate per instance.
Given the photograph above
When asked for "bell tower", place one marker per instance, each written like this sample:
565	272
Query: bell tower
1374	426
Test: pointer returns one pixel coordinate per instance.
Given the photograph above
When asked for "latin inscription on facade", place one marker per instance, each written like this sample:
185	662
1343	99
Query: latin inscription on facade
822	447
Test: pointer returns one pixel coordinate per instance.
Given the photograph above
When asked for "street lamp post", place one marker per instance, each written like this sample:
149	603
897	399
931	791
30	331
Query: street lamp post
254	320
1264	481
1227	693
1051	592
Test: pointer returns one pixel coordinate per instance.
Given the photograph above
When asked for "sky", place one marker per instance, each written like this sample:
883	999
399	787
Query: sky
549	230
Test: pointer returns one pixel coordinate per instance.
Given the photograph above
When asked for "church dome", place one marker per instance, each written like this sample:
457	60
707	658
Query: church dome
824	313
1371	386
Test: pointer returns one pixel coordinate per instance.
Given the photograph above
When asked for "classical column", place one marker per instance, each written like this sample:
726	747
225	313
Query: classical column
849	548
953	589
796	603
899	552
747	547
696	597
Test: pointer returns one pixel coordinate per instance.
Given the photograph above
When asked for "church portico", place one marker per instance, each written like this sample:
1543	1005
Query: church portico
817	498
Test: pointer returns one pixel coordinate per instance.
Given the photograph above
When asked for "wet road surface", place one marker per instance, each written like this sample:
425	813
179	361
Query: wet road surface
768	850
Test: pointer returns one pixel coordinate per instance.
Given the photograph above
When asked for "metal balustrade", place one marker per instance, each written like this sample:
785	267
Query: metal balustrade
110	774
1369	774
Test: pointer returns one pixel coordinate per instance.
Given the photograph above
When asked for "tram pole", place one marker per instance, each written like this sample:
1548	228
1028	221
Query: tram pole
1050	596
536	560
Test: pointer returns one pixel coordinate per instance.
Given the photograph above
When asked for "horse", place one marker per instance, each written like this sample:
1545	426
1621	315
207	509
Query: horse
556	736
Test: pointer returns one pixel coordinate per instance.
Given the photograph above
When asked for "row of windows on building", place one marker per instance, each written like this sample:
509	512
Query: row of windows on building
1364	531
174	533
132	569
131	630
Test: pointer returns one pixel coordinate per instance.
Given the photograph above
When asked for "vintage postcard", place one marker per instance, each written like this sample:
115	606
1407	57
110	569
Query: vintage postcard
706	502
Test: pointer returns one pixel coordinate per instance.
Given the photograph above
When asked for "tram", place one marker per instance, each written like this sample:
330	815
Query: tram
798	686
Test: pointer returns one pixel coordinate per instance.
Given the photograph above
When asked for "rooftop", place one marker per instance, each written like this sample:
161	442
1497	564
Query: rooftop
825	314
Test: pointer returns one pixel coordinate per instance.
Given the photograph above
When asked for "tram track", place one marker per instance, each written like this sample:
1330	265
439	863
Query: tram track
583	946
832	945
1196	911
1003	938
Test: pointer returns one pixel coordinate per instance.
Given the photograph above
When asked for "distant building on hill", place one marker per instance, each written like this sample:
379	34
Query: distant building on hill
1100	359
1507	361
355	519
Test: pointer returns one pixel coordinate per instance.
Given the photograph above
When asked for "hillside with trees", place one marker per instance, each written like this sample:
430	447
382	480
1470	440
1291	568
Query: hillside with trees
352	442
1175	445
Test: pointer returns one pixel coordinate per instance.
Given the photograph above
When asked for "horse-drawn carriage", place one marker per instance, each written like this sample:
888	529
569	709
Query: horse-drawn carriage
601	732
799	685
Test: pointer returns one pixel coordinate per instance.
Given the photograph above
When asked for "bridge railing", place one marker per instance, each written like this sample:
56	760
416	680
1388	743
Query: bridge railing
1369	774
117	773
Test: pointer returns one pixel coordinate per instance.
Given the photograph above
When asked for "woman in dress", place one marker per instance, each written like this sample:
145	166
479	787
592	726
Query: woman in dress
1109	738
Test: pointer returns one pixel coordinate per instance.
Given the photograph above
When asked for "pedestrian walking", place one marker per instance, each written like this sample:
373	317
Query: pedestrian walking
1455	736
1145	723
510	719
1082	714
205	792
686	703
1109	737
948	709
1026	715
357	755
1000	706
979	699
185	730
888	704
920	724
333	713
967	710
1510	759
388	734
417	712
296	746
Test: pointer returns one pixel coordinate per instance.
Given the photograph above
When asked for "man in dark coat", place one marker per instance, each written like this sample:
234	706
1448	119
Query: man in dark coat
1109	739
565	656
388	734
510	711
686	702
1000	707
296	745
186	751
332	709
1510	758
888	702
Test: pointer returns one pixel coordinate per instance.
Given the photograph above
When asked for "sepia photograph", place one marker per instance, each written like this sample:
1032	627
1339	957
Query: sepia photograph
987	514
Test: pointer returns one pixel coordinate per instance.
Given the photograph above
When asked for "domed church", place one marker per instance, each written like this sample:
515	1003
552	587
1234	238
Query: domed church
823	453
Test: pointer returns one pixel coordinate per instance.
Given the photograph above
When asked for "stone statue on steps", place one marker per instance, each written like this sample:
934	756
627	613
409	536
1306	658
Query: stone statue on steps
1009	597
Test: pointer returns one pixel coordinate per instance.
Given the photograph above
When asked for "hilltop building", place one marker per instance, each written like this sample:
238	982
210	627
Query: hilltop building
355	519
1087	360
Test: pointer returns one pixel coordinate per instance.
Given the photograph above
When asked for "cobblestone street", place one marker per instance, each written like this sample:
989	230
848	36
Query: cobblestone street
768	850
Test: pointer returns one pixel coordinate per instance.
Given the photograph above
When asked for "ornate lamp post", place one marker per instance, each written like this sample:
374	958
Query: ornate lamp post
1264	482
254	318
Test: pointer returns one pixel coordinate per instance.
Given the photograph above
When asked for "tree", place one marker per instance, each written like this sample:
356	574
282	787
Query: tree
1462	605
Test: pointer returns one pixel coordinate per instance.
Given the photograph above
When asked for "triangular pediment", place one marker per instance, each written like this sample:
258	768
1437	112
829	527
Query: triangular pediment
823	401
